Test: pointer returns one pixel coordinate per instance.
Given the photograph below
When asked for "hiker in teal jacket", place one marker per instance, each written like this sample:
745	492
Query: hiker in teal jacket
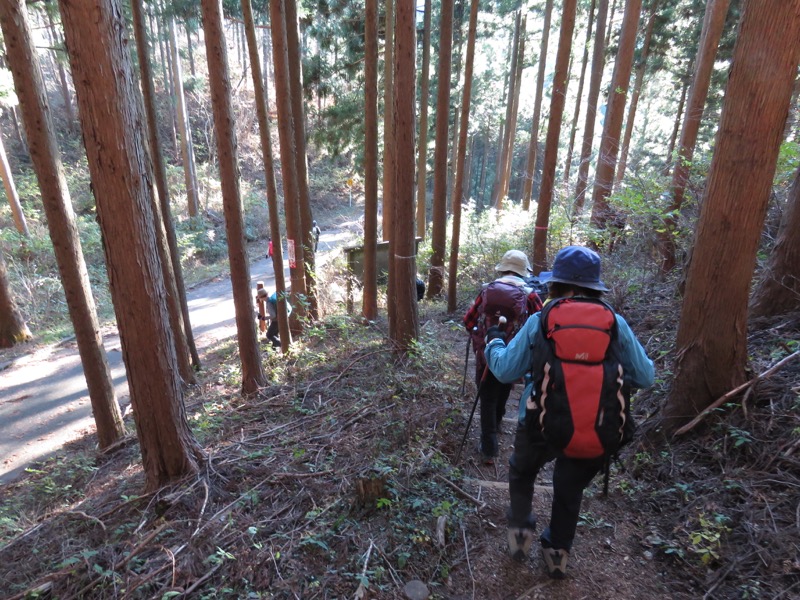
576	272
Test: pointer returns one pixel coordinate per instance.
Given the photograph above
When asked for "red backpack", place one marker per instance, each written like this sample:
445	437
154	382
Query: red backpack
500	299
580	401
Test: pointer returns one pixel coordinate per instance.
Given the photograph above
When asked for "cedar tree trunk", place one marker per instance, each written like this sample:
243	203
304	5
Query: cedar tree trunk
220	88
712	334
111	122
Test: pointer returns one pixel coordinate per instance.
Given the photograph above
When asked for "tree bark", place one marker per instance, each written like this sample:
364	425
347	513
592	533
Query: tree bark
533	147
557	99
778	291
609	143
455	80
301	155
62	75
712	334
480	192
369	306
388	123
168	244
403	268
579	96
501	181
121	180
262	113
439	230
422	157
458	192
673	138
294	234
220	87
13	329
166	73
43	147
635	94
187	151
610	27
595	79
20	223
514	111
713	23
189	49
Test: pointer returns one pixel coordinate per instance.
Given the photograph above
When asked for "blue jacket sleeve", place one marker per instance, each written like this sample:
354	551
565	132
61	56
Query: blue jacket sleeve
639	369
510	362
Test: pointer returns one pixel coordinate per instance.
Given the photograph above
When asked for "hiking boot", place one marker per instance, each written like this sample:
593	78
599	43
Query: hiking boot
520	540
555	561
486	458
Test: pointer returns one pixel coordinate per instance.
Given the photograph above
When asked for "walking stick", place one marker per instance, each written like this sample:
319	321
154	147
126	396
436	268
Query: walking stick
502	322
466	362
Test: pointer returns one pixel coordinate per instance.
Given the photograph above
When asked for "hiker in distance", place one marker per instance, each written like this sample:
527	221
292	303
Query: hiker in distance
315	233
510	297
271	302
583	359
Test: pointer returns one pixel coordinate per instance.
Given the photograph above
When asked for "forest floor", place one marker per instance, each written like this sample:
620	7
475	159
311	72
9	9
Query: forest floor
340	480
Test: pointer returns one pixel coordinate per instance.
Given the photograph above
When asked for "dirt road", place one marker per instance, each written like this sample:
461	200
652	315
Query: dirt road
44	402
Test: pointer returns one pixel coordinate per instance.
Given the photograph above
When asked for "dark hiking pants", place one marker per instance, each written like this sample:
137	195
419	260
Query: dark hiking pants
494	396
570	477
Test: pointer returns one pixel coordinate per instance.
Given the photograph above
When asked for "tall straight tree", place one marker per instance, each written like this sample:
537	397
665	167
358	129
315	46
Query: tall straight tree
713	23
638	82
458	191
269	174
20	223
179	309
518	67
62	72
220	87
439	229
176	317
369	306
557	99
533	147
116	151
300	154
612	127
184	129
294	234
422	152
712	333
596	77
43	147
610	26
403	268
388	124
778	292
13	329
579	95
501	180
673	138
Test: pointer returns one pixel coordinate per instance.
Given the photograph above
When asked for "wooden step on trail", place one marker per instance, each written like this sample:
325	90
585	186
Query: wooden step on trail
503	485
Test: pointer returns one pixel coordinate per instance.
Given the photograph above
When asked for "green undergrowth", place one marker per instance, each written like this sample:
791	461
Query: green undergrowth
333	477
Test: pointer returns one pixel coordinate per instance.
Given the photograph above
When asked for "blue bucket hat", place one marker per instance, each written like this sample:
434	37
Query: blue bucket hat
576	265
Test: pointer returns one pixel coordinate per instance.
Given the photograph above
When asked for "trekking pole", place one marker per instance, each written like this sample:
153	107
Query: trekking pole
502	322
466	362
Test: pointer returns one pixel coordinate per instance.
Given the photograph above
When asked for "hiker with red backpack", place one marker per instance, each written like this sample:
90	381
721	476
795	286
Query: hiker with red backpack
582	360
511	298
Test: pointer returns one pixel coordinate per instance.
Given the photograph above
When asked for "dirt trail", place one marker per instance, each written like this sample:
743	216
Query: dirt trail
608	561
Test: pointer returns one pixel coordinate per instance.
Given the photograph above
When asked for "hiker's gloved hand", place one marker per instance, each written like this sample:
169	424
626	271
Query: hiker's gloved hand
494	333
